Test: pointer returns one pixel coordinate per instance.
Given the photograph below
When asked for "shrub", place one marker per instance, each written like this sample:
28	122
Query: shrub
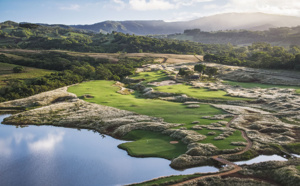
18	69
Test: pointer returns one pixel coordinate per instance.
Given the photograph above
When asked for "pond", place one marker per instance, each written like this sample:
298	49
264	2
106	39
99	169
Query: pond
47	155
262	158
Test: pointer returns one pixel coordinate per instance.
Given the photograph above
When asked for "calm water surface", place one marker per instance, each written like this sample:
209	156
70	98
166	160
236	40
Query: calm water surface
46	155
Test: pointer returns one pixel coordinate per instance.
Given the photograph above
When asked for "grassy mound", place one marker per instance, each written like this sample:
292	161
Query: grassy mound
152	144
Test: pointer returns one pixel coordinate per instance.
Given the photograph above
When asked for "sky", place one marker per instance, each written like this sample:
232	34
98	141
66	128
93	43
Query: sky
93	11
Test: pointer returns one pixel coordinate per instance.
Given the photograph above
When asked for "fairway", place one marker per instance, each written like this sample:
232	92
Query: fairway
148	77
260	85
106	94
199	93
6	73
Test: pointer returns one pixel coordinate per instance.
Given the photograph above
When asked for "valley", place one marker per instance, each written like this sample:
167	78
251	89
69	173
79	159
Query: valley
211	121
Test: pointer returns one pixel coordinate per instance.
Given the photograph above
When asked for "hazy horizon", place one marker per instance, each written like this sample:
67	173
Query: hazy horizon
92	11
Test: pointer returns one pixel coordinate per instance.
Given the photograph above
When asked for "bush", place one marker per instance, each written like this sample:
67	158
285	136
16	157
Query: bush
18	69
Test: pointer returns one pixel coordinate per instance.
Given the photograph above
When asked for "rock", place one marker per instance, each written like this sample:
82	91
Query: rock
219	138
191	102
193	106
197	127
238	143
195	122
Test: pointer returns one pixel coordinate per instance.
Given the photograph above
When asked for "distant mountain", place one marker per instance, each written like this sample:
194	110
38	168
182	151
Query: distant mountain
228	21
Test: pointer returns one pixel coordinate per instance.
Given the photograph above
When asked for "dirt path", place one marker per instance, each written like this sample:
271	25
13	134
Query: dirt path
224	161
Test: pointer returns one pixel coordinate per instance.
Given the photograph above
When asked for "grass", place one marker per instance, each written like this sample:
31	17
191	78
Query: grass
152	144
168	180
106	94
260	85
293	147
199	93
222	144
151	76
7	74
298	167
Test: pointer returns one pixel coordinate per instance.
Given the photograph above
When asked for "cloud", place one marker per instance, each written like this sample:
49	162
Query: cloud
18	137
5	147
150	5
70	7
48	143
162	4
291	7
117	4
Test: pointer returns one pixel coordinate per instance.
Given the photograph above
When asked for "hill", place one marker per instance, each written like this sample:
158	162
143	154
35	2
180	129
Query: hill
228	21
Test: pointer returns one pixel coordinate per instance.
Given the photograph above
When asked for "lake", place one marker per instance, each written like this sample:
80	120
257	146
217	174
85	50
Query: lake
47	155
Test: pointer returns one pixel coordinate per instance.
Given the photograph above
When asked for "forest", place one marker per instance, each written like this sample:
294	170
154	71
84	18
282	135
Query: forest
73	69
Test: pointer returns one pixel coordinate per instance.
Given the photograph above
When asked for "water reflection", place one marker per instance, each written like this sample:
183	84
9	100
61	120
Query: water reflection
262	158
48	143
49	155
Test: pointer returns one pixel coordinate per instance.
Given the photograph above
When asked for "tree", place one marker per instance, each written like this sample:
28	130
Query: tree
211	71
18	69
185	72
199	68
297	61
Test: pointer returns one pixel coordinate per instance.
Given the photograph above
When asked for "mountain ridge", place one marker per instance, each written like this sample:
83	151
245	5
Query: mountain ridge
226	21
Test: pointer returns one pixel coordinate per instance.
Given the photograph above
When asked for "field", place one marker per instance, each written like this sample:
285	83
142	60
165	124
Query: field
199	93
7	74
260	85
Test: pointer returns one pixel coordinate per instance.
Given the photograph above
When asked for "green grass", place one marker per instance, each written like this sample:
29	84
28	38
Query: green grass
199	93
106	94
152	144
293	147
222	144
156	76
298	167
168	180
7	74
260	85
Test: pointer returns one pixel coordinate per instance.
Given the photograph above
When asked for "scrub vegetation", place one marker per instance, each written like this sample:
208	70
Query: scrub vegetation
260	85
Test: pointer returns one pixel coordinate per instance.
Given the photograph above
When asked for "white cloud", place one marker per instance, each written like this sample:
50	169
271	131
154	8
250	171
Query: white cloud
150	5
70	7
5	147
291	7
48	143
118	4
18	137
189	2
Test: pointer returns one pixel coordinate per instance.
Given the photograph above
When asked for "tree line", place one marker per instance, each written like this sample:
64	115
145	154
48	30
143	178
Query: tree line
71	70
